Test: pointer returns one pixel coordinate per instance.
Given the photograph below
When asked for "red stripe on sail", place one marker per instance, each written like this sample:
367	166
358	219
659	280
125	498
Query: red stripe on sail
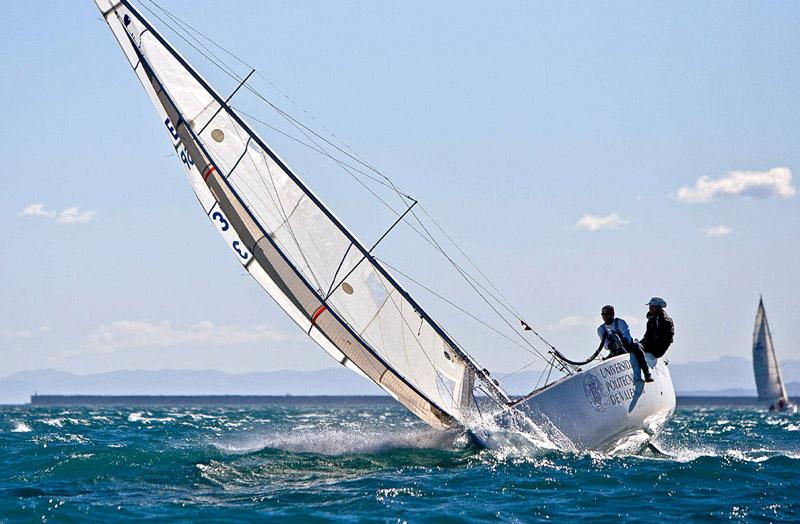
208	171
317	313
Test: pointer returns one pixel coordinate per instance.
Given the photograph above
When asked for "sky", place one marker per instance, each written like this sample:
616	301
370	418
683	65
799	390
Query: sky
582	153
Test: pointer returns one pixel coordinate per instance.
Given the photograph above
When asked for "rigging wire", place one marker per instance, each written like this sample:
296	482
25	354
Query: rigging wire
188	27
497	391
234	75
312	148
384	180
510	307
523	368
428	238
462	273
456	306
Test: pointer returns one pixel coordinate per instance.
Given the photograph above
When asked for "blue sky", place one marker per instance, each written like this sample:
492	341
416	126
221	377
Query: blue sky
583	153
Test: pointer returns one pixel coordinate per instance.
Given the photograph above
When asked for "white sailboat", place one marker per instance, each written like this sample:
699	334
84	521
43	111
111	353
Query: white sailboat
342	296
769	384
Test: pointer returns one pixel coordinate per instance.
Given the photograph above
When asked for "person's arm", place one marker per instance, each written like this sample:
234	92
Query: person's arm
626	332
669	329
603	334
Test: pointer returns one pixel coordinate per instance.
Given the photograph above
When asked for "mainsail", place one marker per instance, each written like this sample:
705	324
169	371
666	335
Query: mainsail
769	383
293	246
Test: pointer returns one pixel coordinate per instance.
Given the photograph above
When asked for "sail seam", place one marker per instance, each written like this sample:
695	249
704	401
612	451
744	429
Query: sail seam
246	145
297	273
217	61
308	192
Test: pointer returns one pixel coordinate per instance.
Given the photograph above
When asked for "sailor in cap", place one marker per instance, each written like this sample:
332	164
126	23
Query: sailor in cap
660	328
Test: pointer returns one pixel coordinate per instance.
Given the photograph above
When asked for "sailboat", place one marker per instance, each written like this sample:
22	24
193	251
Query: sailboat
769	384
346	299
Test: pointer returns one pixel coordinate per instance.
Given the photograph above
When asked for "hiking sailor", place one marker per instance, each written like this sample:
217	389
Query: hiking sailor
660	328
617	339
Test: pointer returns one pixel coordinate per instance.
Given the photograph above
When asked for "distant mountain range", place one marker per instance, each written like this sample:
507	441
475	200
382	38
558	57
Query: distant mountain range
18	387
728	376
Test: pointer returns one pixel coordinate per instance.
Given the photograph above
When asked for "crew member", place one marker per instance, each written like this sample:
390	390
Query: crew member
660	329
617	339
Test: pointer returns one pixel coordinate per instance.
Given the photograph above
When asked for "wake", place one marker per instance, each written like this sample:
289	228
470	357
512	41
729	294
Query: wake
343	441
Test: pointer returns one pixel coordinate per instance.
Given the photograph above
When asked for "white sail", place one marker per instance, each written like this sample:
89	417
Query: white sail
769	383
298	251
333	287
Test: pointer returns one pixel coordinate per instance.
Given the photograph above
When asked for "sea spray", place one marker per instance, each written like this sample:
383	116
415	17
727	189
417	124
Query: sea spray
376	461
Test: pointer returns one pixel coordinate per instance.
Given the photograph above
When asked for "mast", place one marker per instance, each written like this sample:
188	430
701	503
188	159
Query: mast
214	171
355	242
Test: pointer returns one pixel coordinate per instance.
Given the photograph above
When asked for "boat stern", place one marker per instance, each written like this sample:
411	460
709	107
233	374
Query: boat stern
604	405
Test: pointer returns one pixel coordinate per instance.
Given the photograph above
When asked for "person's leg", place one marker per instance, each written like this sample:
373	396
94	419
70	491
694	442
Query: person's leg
642	361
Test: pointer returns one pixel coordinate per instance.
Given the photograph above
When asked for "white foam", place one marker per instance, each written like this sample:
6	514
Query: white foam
691	454
756	455
138	416
392	493
340	442
746	456
513	434
21	427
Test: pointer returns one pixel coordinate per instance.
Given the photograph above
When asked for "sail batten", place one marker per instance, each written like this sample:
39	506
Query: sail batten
293	245
254	239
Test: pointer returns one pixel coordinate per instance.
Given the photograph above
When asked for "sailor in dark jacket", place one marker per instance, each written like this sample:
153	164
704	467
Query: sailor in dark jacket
660	329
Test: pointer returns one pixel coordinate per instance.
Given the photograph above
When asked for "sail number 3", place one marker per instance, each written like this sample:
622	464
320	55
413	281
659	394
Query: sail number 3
224	227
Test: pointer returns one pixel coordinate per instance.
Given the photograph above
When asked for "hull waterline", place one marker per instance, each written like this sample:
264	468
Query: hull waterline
600	408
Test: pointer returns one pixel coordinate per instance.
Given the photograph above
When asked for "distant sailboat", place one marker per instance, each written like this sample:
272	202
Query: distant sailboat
339	293
769	383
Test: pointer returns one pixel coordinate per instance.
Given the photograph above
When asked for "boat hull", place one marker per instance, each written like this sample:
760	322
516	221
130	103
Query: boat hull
787	408
601	408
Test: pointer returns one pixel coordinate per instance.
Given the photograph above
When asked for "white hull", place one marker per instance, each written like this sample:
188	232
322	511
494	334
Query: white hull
788	408
599	408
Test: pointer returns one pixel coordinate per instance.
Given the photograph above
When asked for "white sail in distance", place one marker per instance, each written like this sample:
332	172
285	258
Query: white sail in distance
769	383
293	246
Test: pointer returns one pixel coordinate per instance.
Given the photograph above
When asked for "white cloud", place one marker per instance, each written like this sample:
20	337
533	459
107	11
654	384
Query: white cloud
69	216
595	223
717	231
775	183
74	215
37	210
127	334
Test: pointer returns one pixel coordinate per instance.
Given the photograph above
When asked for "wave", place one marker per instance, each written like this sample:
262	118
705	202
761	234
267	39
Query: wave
343	442
20	427
138	416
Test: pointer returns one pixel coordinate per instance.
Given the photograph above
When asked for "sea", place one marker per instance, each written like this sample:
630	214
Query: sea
370	460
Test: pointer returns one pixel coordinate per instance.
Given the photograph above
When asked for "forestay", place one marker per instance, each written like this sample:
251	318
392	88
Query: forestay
768	376
326	281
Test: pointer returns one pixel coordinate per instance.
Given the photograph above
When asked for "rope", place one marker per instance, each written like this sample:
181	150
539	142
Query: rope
583	362
489	297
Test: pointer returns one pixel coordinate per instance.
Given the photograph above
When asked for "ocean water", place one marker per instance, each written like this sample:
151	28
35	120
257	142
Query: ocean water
374	462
